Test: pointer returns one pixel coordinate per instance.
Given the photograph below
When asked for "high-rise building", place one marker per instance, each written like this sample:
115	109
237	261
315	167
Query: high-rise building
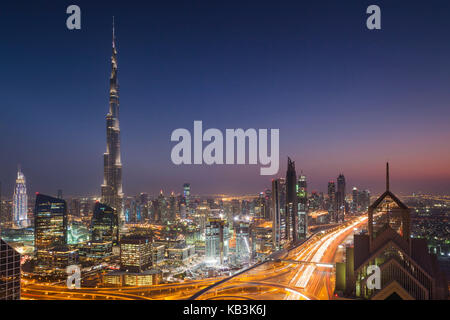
291	201
135	253
9	272
112	194
187	194
340	197
50	224
355	199
60	194
406	269
216	241
243	247
302	211
162	208
105	224
278	213
20	201
332	211
172	207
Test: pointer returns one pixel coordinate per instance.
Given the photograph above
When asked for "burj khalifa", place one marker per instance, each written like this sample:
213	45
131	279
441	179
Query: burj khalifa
112	194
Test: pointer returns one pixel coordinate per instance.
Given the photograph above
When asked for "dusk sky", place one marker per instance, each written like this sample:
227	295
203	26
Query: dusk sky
346	99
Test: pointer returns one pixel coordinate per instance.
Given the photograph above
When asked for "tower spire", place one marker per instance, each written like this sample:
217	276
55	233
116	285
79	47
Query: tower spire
387	176
113	34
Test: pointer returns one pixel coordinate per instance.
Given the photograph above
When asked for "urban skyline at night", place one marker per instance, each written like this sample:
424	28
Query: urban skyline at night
225	151
333	100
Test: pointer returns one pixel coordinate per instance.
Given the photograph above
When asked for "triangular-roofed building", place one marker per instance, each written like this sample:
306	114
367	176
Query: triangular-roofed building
407	269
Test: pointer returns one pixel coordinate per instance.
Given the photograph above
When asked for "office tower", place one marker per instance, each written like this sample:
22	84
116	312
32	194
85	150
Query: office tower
216	241
135	253
268	205
302	211
172	207
332	201
162	208
187	194
355	199
105	224
143	203
50	223
112	194
243	249
75	207
20	201
407	270
9	272
340	197
278	213
291	201
60	194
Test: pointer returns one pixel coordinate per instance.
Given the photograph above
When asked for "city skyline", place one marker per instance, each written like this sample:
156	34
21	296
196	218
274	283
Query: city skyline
157	88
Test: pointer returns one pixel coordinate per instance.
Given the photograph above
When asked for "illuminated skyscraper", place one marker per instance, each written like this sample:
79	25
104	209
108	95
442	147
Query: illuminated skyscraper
50	231
187	194
406	268
20	201
112	194
332	212
291	201
105	224
216	241
9	272
302	211
278	213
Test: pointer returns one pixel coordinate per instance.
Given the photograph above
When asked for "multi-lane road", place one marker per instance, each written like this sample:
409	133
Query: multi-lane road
303	273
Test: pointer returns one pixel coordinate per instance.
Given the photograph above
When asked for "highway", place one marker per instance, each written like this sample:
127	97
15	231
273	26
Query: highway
283	279
303	273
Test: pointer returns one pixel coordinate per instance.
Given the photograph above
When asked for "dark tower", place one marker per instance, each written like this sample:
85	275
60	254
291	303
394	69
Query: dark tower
340	197
291	201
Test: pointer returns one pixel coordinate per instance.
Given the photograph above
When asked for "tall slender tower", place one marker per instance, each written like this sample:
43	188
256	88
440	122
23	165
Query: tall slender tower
112	194
291	201
20	201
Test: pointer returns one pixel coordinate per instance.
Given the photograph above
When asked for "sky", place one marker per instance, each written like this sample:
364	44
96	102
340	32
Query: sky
345	98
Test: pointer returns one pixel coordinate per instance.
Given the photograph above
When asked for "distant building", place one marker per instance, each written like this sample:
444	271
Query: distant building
340	197
279	236
407	270
302	211
9	272
291	201
332	204
20	201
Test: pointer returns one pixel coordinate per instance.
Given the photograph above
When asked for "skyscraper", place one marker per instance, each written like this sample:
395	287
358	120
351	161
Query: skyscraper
302	211
332	201
50	226
291	201
9	272
20	201
407	270
105	224
278	213
340	197
187	194
216	241
112	194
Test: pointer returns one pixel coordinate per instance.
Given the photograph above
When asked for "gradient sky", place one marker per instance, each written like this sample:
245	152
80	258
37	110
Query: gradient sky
345	99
